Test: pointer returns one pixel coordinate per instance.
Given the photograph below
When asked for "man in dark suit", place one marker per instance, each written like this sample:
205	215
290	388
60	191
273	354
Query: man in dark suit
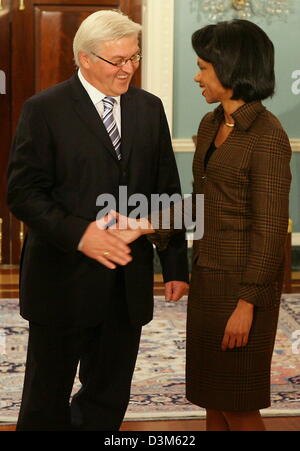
85	292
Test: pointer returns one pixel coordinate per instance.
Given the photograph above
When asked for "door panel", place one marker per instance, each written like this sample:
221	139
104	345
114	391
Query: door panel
5	126
55	29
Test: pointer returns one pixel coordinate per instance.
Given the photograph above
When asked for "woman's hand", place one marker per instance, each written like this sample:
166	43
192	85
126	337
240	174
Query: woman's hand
129	229
127	236
175	289
238	326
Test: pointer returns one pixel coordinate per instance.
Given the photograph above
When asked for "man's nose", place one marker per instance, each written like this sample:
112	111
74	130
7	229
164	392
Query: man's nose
129	67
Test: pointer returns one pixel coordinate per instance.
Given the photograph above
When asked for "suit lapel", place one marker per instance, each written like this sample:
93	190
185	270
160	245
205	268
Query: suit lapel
128	125
206	139
89	115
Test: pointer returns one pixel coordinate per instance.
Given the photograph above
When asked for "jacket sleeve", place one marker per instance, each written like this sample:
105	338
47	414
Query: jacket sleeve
31	178
269	196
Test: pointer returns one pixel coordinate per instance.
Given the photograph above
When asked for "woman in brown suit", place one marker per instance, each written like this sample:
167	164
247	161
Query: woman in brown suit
241	165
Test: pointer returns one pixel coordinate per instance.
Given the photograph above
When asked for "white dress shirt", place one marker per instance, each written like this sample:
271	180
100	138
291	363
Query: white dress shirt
96	97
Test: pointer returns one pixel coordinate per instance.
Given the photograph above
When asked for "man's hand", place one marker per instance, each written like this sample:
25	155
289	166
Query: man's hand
175	290
238	326
102	246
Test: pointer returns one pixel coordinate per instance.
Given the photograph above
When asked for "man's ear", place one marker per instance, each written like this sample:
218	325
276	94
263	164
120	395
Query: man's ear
84	60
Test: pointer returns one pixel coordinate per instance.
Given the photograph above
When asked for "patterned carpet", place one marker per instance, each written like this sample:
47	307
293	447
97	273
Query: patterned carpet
158	384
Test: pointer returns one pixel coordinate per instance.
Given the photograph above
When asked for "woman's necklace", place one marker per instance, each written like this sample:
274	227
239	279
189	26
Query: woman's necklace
229	124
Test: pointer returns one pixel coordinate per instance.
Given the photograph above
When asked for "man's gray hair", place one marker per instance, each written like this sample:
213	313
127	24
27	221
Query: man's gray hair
104	25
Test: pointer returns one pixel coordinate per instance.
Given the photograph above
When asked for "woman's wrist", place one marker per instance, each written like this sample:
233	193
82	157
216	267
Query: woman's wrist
145	226
245	305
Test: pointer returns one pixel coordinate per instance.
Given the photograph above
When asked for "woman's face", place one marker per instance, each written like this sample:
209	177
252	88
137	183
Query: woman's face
212	89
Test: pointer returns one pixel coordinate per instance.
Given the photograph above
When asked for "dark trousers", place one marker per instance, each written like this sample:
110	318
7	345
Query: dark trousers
107	355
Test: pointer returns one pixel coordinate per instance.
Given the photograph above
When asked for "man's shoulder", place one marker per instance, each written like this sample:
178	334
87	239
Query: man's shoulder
140	93
52	93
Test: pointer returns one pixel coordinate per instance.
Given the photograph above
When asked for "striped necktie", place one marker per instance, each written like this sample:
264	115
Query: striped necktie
110	124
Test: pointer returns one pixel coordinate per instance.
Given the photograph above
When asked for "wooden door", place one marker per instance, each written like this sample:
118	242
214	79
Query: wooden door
42	33
5	126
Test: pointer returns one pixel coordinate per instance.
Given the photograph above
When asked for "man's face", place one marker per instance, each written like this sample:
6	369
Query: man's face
111	80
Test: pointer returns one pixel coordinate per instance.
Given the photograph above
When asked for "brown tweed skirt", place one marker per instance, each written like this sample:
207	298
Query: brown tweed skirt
232	380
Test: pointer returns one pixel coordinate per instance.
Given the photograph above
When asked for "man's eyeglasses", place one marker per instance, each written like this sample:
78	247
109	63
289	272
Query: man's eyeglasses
120	63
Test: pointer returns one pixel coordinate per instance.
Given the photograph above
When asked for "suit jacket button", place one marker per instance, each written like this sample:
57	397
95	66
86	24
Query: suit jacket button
203	178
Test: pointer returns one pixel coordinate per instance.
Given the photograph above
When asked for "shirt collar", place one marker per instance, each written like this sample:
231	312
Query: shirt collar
243	116
96	96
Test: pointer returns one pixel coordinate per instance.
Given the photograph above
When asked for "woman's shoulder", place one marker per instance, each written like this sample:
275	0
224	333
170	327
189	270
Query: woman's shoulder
269	124
271	136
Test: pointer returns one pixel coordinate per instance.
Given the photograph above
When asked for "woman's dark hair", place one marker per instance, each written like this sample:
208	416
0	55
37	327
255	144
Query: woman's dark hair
242	56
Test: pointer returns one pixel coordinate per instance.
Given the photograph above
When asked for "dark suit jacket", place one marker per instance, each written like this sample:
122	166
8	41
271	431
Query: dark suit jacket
62	160
246	195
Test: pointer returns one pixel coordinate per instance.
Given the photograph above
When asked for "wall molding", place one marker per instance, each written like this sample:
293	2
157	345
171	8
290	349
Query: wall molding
295	239
295	145
183	145
187	145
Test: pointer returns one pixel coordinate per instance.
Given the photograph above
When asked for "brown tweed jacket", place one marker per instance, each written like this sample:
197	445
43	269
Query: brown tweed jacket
246	198
246	194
